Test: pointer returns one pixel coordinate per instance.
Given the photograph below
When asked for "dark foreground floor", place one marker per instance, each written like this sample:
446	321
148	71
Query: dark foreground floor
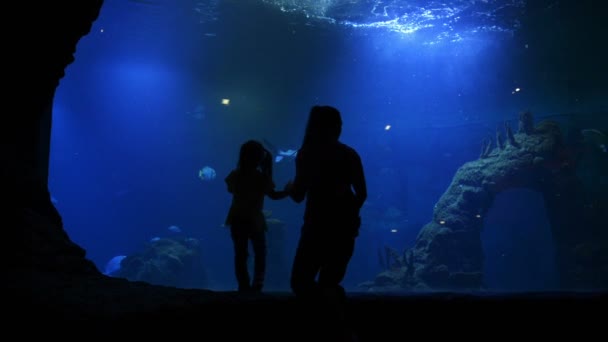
85	308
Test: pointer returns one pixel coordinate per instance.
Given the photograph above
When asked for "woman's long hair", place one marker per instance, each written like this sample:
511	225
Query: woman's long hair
324	127
253	155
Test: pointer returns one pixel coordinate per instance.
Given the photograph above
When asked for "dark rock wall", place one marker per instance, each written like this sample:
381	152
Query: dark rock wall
44	39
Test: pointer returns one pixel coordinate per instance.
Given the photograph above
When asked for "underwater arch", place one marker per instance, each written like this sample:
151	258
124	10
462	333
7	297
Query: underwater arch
448	253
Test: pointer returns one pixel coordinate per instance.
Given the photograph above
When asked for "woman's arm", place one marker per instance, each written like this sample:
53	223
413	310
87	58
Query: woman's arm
359	184
297	189
272	193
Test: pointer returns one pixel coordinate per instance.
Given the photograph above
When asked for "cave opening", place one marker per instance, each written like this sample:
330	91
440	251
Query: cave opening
518	246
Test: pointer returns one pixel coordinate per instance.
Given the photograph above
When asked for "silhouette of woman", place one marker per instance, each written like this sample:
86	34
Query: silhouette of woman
329	174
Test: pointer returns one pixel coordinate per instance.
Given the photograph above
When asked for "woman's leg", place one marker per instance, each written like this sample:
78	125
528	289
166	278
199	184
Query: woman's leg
337	254
306	264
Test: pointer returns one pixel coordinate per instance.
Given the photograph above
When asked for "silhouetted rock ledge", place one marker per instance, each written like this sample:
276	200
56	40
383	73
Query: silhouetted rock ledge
66	305
49	284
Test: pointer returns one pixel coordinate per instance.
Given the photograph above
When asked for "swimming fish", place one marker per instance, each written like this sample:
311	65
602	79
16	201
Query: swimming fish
113	265
174	229
279	153
282	154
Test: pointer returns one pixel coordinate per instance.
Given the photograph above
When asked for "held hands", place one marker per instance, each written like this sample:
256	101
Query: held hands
288	187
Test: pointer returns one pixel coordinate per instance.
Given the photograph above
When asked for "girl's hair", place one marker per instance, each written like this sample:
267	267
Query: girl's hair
253	155
324	126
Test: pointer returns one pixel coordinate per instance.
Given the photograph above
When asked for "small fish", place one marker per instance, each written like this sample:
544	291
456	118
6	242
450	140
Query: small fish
154	239
279	154
113	265
174	229
596	137
282	154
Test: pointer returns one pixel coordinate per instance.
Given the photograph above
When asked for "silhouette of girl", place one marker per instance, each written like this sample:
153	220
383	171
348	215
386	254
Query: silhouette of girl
249	183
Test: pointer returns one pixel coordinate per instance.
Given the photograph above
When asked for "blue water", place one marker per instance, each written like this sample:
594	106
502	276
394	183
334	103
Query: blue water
140	112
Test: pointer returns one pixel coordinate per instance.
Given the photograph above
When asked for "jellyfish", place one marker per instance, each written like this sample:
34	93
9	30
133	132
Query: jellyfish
206	173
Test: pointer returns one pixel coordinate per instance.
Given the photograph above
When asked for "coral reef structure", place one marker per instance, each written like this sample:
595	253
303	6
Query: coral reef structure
448	251
166	261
